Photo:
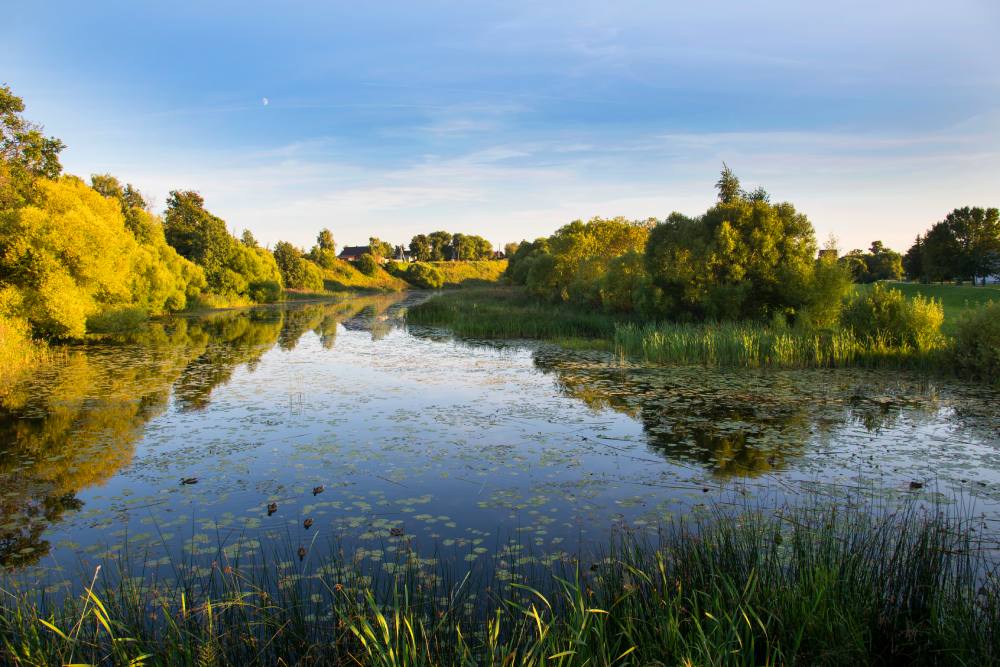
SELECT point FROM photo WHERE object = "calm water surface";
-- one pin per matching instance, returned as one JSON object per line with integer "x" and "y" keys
{"x": 452, "y": 446}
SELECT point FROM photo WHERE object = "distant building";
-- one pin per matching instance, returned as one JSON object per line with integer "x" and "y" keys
{"x": 352, "y": 253}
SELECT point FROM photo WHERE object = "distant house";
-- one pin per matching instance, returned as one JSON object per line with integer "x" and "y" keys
{"x": 499, "y": 254}
{"x": 351, "y": 253}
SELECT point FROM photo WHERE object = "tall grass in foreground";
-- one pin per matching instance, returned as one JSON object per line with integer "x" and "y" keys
{"x": 807, "y": 586}
{"x": 754, "y": 346}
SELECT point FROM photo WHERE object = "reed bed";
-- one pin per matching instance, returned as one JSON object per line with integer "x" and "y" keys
{"x": 506, "y": 313}
{"x": 748, "y": 345}
{"x": 818, "y": 585}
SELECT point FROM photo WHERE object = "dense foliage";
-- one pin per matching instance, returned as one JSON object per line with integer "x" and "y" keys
{"x": 963, "y": 246}
{"x": 879, "y": 263}
{"x": 70, "y": 257}
{"x": 744, "y": 258}
{"x": 423, "y": 276}
{"x": 441, "y": 246}
{"x": 976, "y": 349}
{"x": 296, "y": 269}
{"x": 885, "y": 314}
{"x": 232, "y": 268}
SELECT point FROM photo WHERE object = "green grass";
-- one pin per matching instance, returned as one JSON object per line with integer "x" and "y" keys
{"x": 819, "y": 585}
{"x": 470, "y": 274}
{"x": 955, "y": 299}
{"x": 344, "y": 277}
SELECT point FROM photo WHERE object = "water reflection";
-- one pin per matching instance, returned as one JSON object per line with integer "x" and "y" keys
{"x": 750, "y": 423}
{"x": 75, "y": 423}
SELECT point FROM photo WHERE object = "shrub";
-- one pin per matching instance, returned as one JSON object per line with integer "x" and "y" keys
{"x": 976, "y": 348}
{"x": 367, "y": 264}
{"x": 117, "y": 320}
{"x": 887, "y": 315}
{"x": 266, "y": 291}
{"x": 424, "y": 276}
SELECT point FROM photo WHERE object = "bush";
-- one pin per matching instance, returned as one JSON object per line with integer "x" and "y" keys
{"x": 117, "y": 320}
{"x": 367, "y": 264}
{"x": 424, "y": 276}
{"x": 887, "y": 315}
{"x": 976, "y": 348}
{"x": 266, "y": 291}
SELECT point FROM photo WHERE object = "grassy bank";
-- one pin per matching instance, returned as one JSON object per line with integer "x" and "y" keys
{"x": 808, "y": 586}
{"x": 511, "y": 313}
{"x": 470, "y": 274}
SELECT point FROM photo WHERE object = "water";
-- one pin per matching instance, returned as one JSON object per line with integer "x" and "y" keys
{"x": 453, "y": 447}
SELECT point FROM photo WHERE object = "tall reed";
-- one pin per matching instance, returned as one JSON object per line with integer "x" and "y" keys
{"x": 816, "y": 585}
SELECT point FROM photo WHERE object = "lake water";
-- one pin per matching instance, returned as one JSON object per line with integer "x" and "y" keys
{"x": 453, "y": 447}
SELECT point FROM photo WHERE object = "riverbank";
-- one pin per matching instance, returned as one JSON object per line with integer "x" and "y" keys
{"x": 815, "y": 585}
{"x": 509, "y": 312}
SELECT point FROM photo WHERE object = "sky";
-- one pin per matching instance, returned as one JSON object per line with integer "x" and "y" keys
{"x": 510, "y": 119}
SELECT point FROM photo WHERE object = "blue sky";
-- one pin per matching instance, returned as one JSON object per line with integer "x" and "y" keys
{"x": 510, "y": 119}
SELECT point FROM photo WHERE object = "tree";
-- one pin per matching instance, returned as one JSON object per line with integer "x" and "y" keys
{"x": 324, "y": 240}
{"x": 965, "y": 245}
{"x": 70, "y": 258}
{"x": 883, "y": 263}
{"x": 440, "y": 246}
{"x": 509, "y": 249}
{"x": 379, "y": 249}
{"x": 742, "y": 259}
{"x": 231, "y": 268}
{"x": 977, "y": 233}
{"x": 420, "y": 248}
{"x": 248, "y": 239}
{"x": 424, "y": 276}
{"x": 297, "y": 271}
{"x": 728, "y": 185}
{"x": 913, "y": 261}
{"x": 26, "y": 154}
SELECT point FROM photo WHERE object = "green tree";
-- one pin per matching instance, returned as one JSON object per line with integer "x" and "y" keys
{"x": 248, "y": 239}
{"x": 424, "y": 276}
{"x": 883, "y": 263}
{"x": 231, "y": 268}
{"x": 440, "y": 246}
{"x": 913, "y": 261}
{"x": 379, "y": 249}
{"x": 324, "y": 240}
{"x": 743, "y": 259}
{"x": 420, "y": 248}
{"x": 977, "y": 234}
{"x": 297, "y": 272}
{"x": 26, "y": 154}
{"x": 728, "y": 185}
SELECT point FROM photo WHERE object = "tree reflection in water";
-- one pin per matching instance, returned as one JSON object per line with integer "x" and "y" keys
{"x": 75, "y": 423}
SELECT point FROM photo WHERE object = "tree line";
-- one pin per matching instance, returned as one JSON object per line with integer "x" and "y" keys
{"x": 79, "y": 257}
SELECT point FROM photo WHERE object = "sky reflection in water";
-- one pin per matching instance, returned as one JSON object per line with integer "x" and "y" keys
{"x": 457, "y": 445}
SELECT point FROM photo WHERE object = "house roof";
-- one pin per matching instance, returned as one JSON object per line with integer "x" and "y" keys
{"x": 353, "y": 250}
